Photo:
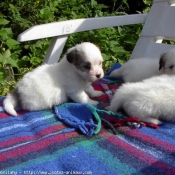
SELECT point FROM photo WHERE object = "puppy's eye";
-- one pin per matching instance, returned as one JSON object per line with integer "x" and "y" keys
{"x": 171, "y": 67}
{"x": 100, "y": 63}
{"x": 87, "y": 67}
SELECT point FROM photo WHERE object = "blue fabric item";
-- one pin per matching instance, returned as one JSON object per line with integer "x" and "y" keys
{"x": 78, "y": 116}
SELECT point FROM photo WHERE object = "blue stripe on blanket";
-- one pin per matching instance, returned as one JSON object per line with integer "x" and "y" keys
{"x": 26, "y": 125}
{"x": 161, "y": 133}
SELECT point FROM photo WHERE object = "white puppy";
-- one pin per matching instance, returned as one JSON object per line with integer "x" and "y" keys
{"x": 138, "y": 69}
{"x": 150, "y": 100}
{"x": 50, "y": 85}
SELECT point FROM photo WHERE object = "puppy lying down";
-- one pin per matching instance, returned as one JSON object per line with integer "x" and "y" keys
{"x": 138, "y": 69}
{"x": 50, "y": 85}
{"x": 151, "y": 100}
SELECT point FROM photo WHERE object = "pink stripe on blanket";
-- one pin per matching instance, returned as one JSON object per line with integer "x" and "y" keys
{"x": 35, "y": 146}
{"x": 13, "y": 141}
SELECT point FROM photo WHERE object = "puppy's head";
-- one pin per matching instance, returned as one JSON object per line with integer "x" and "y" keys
{"x": 87, "y": 59}
{"x": 167, "y": 62}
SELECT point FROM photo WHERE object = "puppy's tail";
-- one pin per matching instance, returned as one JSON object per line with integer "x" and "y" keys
{"x": 10, "y": 103}
{"x": 116, "y": 73}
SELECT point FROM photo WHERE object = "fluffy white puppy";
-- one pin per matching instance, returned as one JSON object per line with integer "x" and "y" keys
{"x": 151, "y": 100}
{"x": 50, "y": 85}
{"x": 138, "y": 69}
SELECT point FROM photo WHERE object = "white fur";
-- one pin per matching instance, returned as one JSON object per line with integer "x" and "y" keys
{"x": 50, "y": 85}
{"x": 138, "y": 69}
{"x": 150, "y": 100}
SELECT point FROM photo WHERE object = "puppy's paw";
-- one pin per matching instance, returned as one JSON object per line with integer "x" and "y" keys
{"x": 93, "y": 102}
{"x": 151, "y": 120}
{"x": 110, "y": 108}
{"x": 115, "y": 73}
{"x": 107, "y": 108}
{"x": 97, "y": 94}
{"x": 155, "y": 121}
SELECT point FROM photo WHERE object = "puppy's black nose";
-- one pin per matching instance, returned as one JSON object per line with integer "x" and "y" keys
{"x": 98, "y": 75}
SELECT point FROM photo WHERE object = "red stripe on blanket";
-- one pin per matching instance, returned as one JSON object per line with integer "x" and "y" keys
{"x": 18, "y": 140}
{"x": 39, "y": 145}
{"x": 4, "y": 115}
{"x": 144, "y": 157}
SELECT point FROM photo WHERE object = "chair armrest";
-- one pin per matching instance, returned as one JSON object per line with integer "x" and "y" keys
{"x": 78, "y": 25}
{"x": 59, "y": 31}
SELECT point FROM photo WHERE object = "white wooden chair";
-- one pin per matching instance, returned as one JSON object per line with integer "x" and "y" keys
{"x": 159, "y": 24}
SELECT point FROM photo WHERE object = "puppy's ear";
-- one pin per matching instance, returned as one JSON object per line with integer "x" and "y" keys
{"x": 71, "y": 55}
{"x": 162, "y": 61}
{"x": 74, "y": 56}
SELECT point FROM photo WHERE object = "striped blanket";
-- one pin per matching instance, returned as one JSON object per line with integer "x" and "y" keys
{"x": 33, "y": 144}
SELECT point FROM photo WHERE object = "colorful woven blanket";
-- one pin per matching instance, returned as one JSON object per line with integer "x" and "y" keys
{"x": 33, "y": 143}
